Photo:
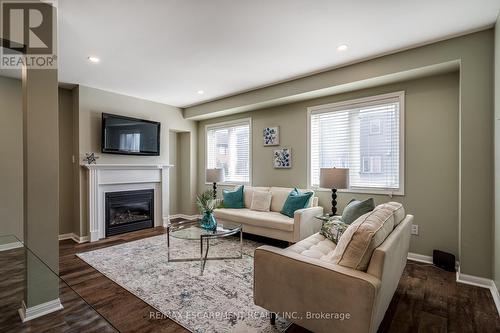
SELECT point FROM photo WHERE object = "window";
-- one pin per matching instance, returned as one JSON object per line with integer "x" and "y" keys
{"x": 364, "y": 135}
{"x": 228, "y": 147}
{"x": 130, "y": 142}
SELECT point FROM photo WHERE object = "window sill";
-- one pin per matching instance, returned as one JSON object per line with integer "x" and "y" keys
{"x": 362, "y": 191}
{"x": 229, "y": 184}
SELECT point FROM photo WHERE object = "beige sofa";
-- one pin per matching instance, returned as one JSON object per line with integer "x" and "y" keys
{"x": 273, "y": 224}
{"x": 298, "y": 281}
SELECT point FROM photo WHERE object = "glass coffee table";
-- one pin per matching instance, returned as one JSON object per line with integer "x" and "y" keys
{"x": 191, "y": 230}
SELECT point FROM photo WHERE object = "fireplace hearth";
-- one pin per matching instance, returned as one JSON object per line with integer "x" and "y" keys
{"x": 128, "y": 211}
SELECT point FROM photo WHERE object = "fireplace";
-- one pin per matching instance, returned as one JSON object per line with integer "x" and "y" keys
{"x": 128, "y": 211}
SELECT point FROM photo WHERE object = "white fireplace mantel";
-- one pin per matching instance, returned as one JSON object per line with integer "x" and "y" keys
{"x": 105, "y": 178}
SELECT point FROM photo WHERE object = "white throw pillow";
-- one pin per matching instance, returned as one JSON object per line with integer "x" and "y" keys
{"x": 261, "y": 201}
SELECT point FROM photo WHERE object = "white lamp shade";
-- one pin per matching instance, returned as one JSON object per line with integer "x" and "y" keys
{"x": 337, "y": 178}
{"x": 214, "y": 175}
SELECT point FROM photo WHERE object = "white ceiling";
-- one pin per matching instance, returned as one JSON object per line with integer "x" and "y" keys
{"x": 167, "y": 50}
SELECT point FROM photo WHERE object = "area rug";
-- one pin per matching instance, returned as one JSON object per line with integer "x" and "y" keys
{"x": 221, "y": 300}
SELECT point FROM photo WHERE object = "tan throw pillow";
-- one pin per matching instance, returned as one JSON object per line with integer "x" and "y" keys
{"x": 362, "y": 237}
{"x": 261, "y": 201}
{"x": 397, "y": 208}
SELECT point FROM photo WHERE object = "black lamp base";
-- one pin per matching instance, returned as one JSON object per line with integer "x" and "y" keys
{"x": 334, "y": 202}
{"x": 215, "y": 190}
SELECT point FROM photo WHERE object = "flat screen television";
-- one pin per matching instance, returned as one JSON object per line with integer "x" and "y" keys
{"x": 130, "y": 136}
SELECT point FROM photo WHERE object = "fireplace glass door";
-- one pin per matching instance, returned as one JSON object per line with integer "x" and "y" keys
{"x": 129, "y": 211}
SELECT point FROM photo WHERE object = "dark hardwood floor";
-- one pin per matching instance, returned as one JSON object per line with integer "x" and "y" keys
{"x": 427, "y": 299}
{"x": 125, "y": 311}
{"x": 76, "y": 316}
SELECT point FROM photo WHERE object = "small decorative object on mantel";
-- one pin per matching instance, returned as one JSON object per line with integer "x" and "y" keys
{"x": 90, "y": 158}
{"x": 271, "y": 136}
{"x": 283, "y": 158}
{"x": 206, "y": 204}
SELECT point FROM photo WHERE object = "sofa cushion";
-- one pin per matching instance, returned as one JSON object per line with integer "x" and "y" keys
{"x": 358, "y": 242}
{"x": 234, "y": 198}
{"x": 315, "y": 246}
{"x": 356, "y": 208}
{"x": 280, "y": 194}
{"x": 261, "y": 201}
{"x": 248, "y": 192}
{"x": 271, "y": 220}
{"x": 295, "y": 201}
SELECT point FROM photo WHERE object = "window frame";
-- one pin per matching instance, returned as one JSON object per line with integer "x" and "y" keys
{"x": 365, "y": 101}
{"x": 225, "y": 124}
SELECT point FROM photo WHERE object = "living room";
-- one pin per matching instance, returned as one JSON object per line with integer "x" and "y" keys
{"x": 285, "y": 177}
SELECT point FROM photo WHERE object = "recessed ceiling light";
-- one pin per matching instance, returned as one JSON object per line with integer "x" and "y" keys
{"x": 94, "y": 59}
{"x": 342, "y": 47}
{"x": 201, "y": 92}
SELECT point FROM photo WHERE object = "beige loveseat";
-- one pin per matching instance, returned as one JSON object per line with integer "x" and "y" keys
{"x": 303, "y": 284}
{"x": 273, "y": 224}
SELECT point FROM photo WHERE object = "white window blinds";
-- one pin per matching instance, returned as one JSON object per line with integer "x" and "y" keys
{"x": 228, "y": 147}
{"x": 364, "y": 136}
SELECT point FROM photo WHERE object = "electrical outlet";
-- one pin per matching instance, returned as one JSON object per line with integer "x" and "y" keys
{"x": 414, "y": 229}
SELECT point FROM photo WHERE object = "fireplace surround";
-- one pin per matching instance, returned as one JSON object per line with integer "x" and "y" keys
{"x": 108, "y": 178}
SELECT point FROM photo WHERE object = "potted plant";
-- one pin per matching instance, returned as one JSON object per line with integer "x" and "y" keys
{"x": 206, "y": 204}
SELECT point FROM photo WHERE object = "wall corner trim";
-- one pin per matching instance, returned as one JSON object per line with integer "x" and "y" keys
{"x": 39, "y": 310}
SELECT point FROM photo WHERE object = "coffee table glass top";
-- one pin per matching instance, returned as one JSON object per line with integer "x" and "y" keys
{"x": 192, "y": 230}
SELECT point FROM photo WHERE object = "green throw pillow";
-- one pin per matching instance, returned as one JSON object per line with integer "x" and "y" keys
{"x": 333, "y": 229}
{"x": 295, "y": 201}
{"x": 234, "y": 198}
{"x": 356, "y": 208}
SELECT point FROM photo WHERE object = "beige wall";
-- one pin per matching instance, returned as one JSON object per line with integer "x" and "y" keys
{"x": 11, "y": 150}
{"x": 66, "y": 134}
{"x": 432, "y": 111}
{"x": 92, "y": 102}
{"x": 187, "y": 172}
{"x": 496, "y": 226}
{"x": 174, "y": 172}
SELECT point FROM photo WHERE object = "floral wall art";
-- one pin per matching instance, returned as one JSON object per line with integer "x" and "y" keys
{"x": 271, "y": 136}
{"x": 283, "y": 158}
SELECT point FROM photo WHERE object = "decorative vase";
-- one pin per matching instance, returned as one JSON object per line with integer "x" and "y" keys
{"x": 208, "y": 221}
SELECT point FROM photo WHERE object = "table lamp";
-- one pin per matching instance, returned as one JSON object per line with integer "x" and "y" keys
{"x": 215, "y": 176}
{"x": 334, "y": 178}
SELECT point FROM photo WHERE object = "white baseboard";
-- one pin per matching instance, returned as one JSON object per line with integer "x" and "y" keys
{"x": 495, "y": 295}
{"x": 166, "y": 220}
{"x": 74, "y": 237}
{"x": 10, "y": 246}
{"x": 184, "y": 216}
{"x": 426, "y": 259}
{"x": 481, "y": 282}
{"x": 419, "y": 258}
{"x": 39, "y": 310}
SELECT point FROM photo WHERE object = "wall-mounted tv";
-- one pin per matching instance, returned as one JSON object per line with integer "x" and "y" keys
{"x": 130, "y": 136}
